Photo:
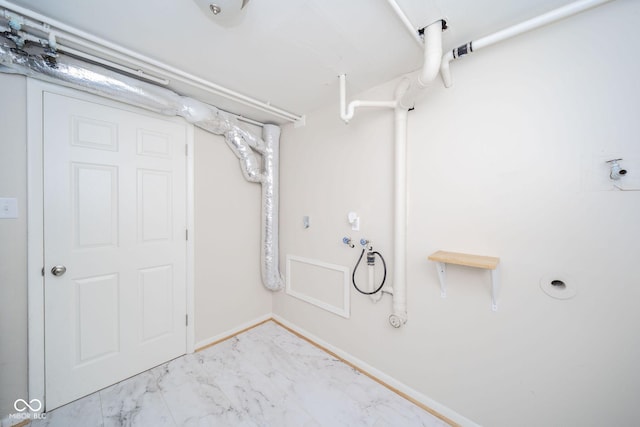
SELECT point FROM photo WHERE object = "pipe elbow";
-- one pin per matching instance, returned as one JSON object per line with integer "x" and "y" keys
{"x": 347, "y": 114}
{"x": 445, "y": 71}
{"x": 432, "y": 53}
{"x": 401, "y": 94}
{"x": 429, "y": 72}
{"x": 351, "y": 109}
{"x": 406, "y": 102}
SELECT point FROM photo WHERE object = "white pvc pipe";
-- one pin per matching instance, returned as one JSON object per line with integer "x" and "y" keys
{"x": 347, "y": 112}
{"x": 399, "y": 315}
{"x": 431, "y": 65}
{"x": 406, "y": 22}
{"x": 139, "y": 73}
{"x": 445, "y": 71}
{"x": 105, "y": 47}
{"x": 54, "y": 45}
{"x": 432, "y": 53}
{"x": 405, "y": 95}
{"x": 539, "y": 21}
{"x": 528, "y": 25}
{"x": 378, "y": 296}
{"x": 371, "y": 275}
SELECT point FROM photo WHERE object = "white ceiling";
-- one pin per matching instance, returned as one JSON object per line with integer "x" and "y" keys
{"x": 286, "y": 52}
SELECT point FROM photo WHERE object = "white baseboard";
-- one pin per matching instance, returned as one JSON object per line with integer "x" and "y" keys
{"x": 233, "y": 331}
{"x": 387, "y": 379}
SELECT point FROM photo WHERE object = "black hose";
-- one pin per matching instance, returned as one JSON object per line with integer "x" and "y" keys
{"x": 384, "y": 278}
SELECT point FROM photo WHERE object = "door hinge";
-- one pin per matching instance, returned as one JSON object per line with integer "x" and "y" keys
{"x": 42, "y": 272}
{"x": 186, "y": 318}
{"x": 186, "y": 234}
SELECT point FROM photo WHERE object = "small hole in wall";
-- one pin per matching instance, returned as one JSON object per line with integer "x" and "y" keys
{"x": 559, "y": 287}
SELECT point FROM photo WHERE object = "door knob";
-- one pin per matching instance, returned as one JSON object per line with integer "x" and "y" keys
{"x": 58, "y": 270}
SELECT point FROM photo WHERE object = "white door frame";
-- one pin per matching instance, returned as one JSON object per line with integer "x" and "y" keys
{"x": 35, "y": 229}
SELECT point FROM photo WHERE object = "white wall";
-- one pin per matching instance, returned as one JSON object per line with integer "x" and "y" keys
{"x": 13, "y": 244}
{"x": 508, "y": 162}
{"x": 229, "y": 290}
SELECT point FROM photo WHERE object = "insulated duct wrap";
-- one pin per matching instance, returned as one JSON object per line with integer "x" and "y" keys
{"x": 34, "y": 61}
{"x": 270, "y": 273}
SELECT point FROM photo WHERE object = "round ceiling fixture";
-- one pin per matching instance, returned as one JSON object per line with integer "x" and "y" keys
{"x": 227, "y": 13}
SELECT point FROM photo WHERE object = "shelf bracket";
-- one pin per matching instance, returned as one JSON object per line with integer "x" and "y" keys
{"x": 442, "y": 258}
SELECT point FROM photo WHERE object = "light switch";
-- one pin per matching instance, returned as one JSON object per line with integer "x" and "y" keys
{"x": 8, "y": 208}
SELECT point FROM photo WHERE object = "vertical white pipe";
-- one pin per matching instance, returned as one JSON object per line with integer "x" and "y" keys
{"x": 399, "y": 316}
{"x": 405, "y": 95}
{"x": 343, "y": 98}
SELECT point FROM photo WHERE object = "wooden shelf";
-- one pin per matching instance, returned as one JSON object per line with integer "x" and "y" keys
{"x": 478, "y": 261}
{"x": 442, "y": 258}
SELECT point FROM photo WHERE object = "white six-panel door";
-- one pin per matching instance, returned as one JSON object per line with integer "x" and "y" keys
{"x": 115, "y": 219}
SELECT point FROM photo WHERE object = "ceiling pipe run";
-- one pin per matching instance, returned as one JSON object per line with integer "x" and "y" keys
{"x": 32, "y": 21}
{"x": 531, "y": 24}
{"x": 415, "y": 34}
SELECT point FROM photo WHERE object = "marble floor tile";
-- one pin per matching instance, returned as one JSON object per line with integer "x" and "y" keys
{"x": 357, "y": 398}
{"x": 82, "y": 412}
{"x": 249, "y": 389}
{"x": 135, "y": 402}
{"x": 266, "y": 376}
{"x": 193, "y": 398}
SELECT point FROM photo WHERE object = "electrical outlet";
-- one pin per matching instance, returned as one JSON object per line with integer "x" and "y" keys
{"x": 8, "y": 208}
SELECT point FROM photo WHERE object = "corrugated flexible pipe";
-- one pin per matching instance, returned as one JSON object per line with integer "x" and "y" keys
{"x": 70, "y": 72}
